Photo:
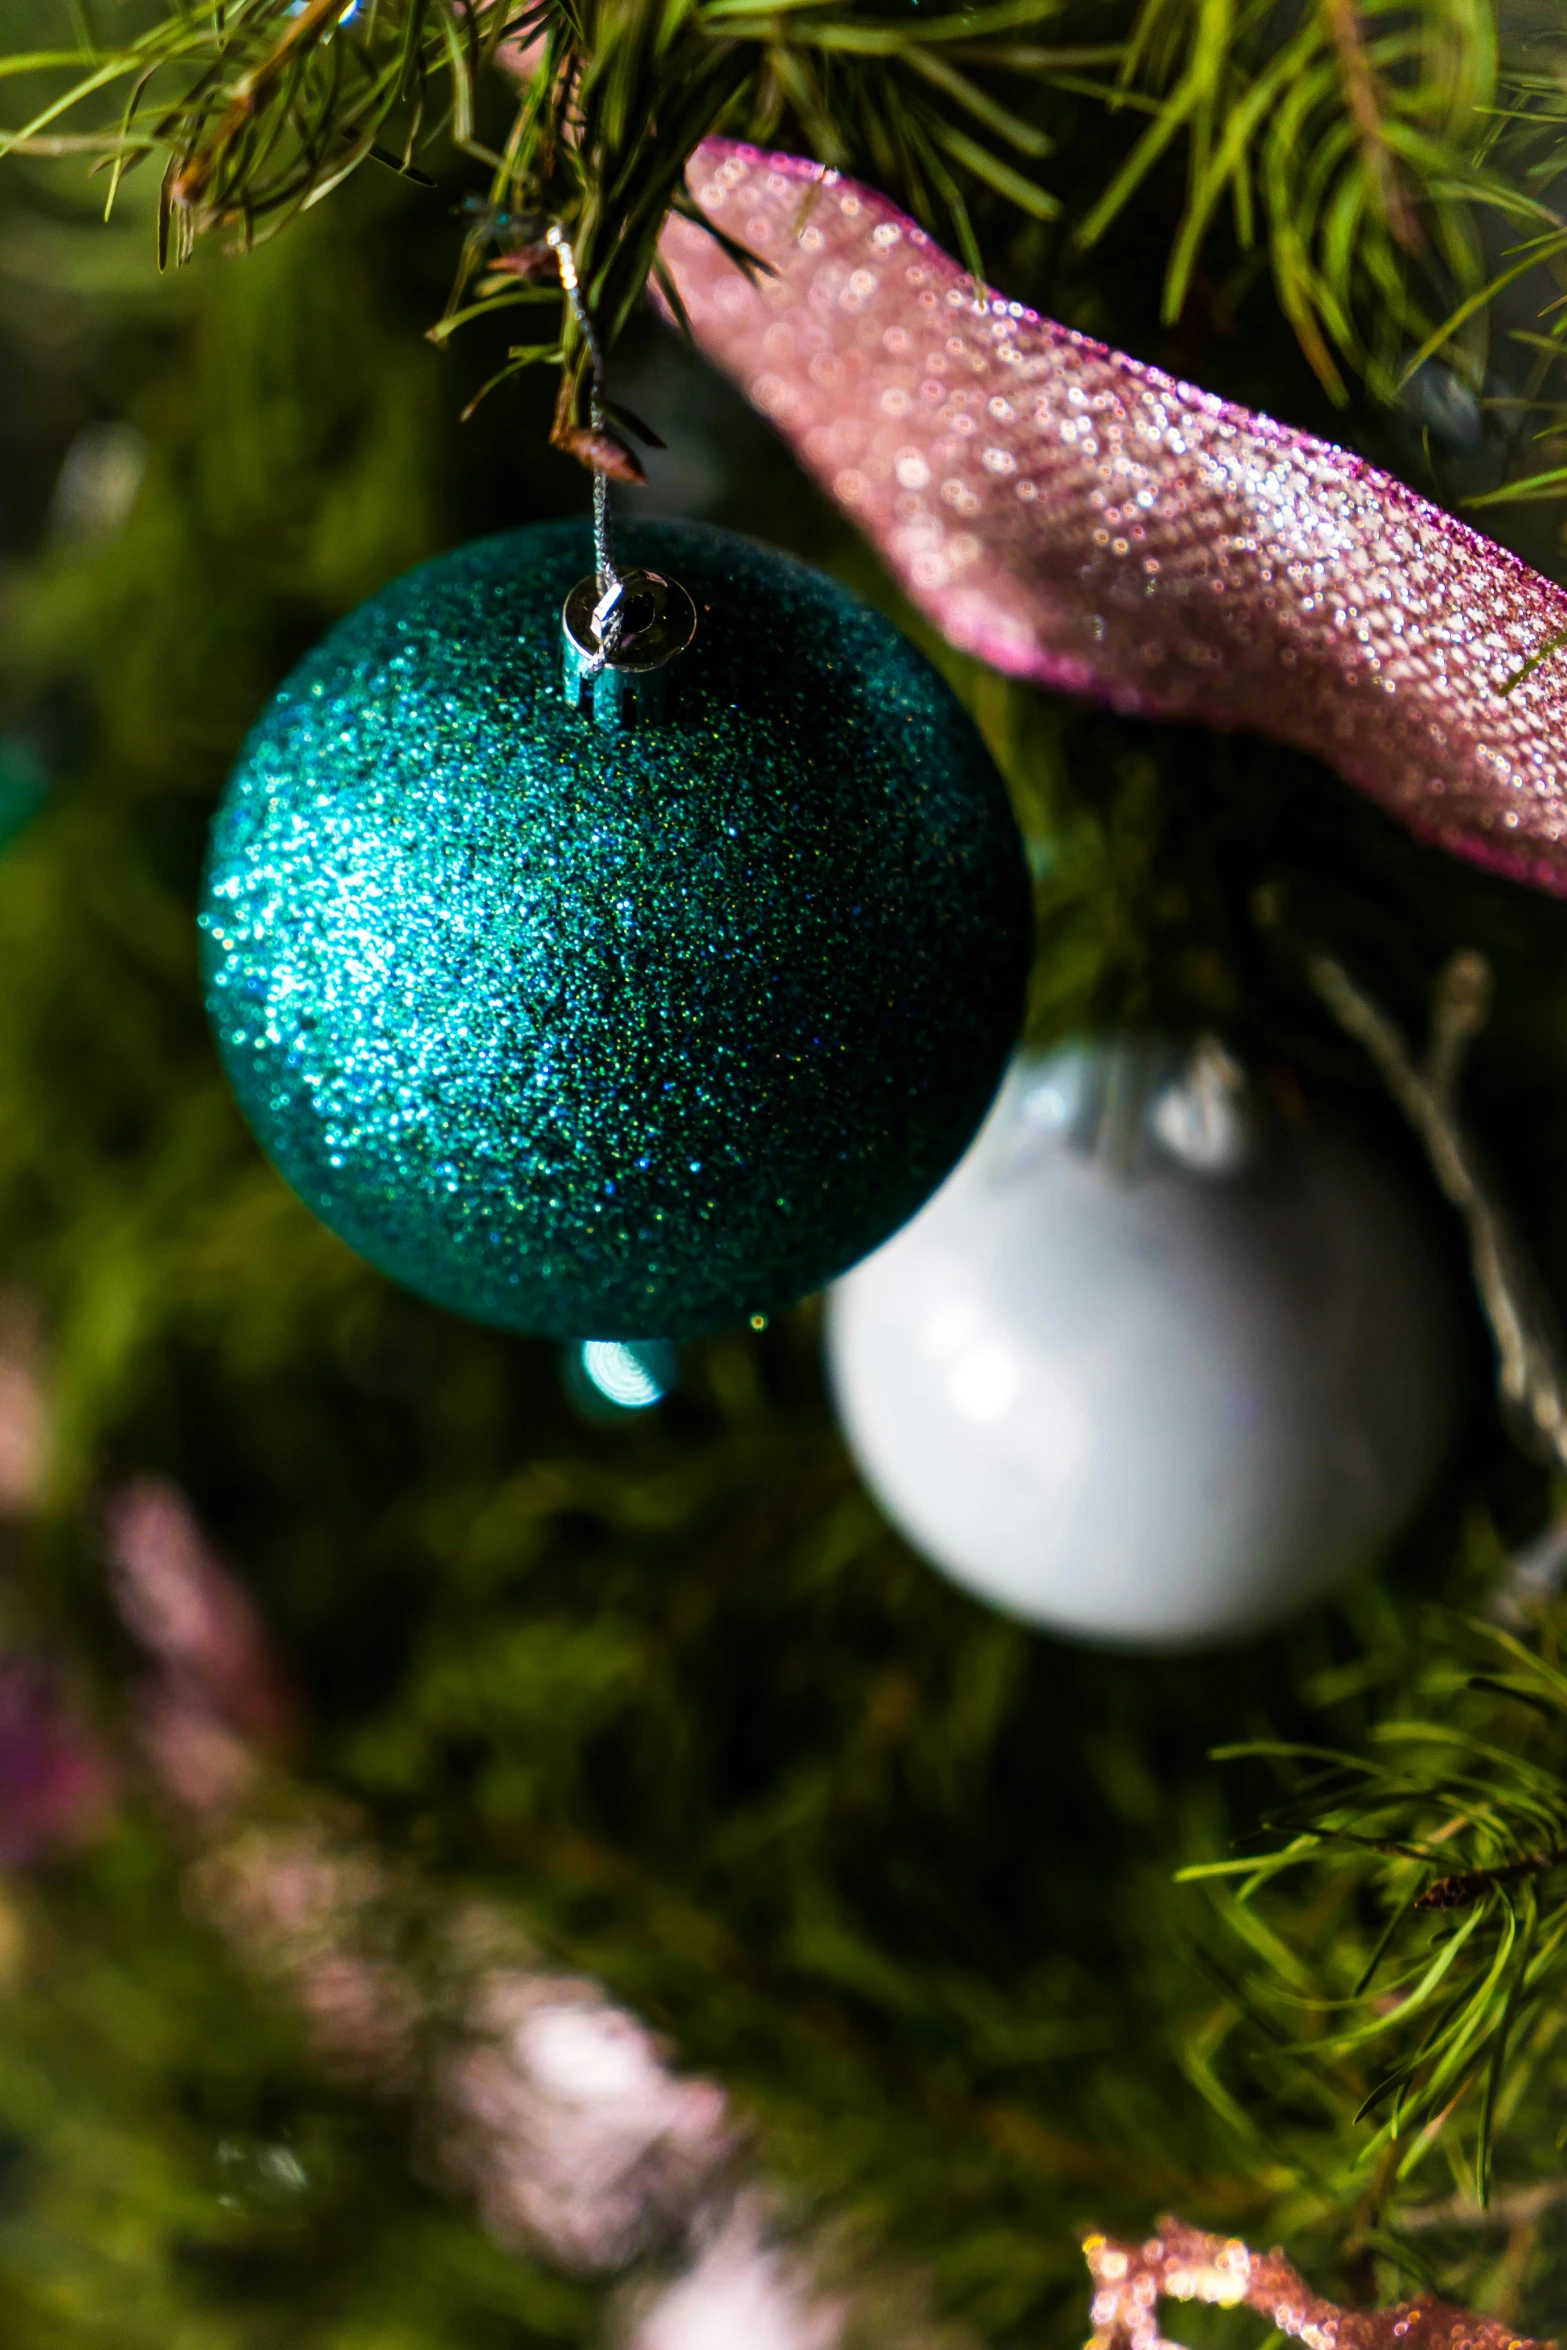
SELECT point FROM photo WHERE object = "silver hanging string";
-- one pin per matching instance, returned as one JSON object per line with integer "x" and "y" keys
{"x": 603, "y": 552}
{"x": 633, "y": 623}
{"x": 608, "y": 616}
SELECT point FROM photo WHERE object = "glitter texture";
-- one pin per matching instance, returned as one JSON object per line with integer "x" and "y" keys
{"x": 1073, "y": 516}
{"x": 614, "y": 1035}
{"x": 1182, "y": 2263}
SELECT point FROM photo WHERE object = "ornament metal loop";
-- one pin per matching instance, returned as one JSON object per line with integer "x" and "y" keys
{"x": 618, "y": 638}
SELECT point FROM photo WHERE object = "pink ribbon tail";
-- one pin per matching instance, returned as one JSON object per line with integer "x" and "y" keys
{"x": 1072, "y": 516}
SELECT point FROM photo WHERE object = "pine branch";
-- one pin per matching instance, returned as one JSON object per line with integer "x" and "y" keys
{"x": 1429, "y": 1992}
{"x": 1442, "y": 2024}
{"x": 1363, "y": 144}
{"x": 1353, "y": 139}
{"x": 262, "y": 109}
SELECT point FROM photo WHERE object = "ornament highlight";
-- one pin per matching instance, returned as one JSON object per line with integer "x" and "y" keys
{"x": 612, "y": 1378}
{"x": 1071, "y": 515}
{"x": 614, "y": 1034}
{"x": 1144, "y": 1371}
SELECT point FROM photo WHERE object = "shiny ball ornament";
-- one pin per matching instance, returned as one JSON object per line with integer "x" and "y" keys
{"x": 1143, "y": 1372}
{"x": 614, "y": 1034}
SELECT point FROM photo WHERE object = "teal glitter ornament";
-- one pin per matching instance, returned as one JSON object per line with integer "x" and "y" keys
{"x": 614, "y": 1034}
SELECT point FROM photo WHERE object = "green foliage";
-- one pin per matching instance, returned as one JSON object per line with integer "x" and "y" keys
{"x": 620, "y": 95}
{"x": 263, "y": 108}
{"x": 1353, "y": 144}
{"x": 1535, "y": 121}
{"x": 1425, "y": 1952}
{"x": 1368, "y": 150}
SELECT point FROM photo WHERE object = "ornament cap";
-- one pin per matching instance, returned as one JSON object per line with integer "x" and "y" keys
{"x": 1205, "y": 1119}
{"x": 619, "y": 634}
{"x": 1138, "y": 1102}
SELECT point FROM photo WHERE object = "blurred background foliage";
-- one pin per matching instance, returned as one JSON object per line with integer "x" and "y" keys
{"x": 897, "y": 1872}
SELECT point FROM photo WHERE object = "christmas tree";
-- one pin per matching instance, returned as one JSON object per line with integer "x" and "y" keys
{"x": 507, "y": 1842}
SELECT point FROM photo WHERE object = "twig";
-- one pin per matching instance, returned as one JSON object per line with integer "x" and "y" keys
{"x": 194, "y": 177}
{"x": 1467, "y": 1886}
{"x": 1513, "y": 2210}
{"x": 1530, "y": 1380}
{"x": 1362, "y": 98}
{"x": 1536, "y": 1570}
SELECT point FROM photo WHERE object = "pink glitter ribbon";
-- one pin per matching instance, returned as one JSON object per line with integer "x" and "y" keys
{"x": 1072, "y": 516}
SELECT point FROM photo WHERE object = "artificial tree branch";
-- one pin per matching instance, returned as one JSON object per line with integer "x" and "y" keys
{"x": 1467, "y": 1886}
{"x": 261, "y": 107}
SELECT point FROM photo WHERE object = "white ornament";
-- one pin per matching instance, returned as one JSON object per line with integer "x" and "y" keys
{"x": 1140, "y": 1371}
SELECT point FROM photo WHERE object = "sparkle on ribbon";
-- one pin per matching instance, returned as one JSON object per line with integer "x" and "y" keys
{"x": 1073, "y": 516}
{"x": 1179, "y": 2263}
